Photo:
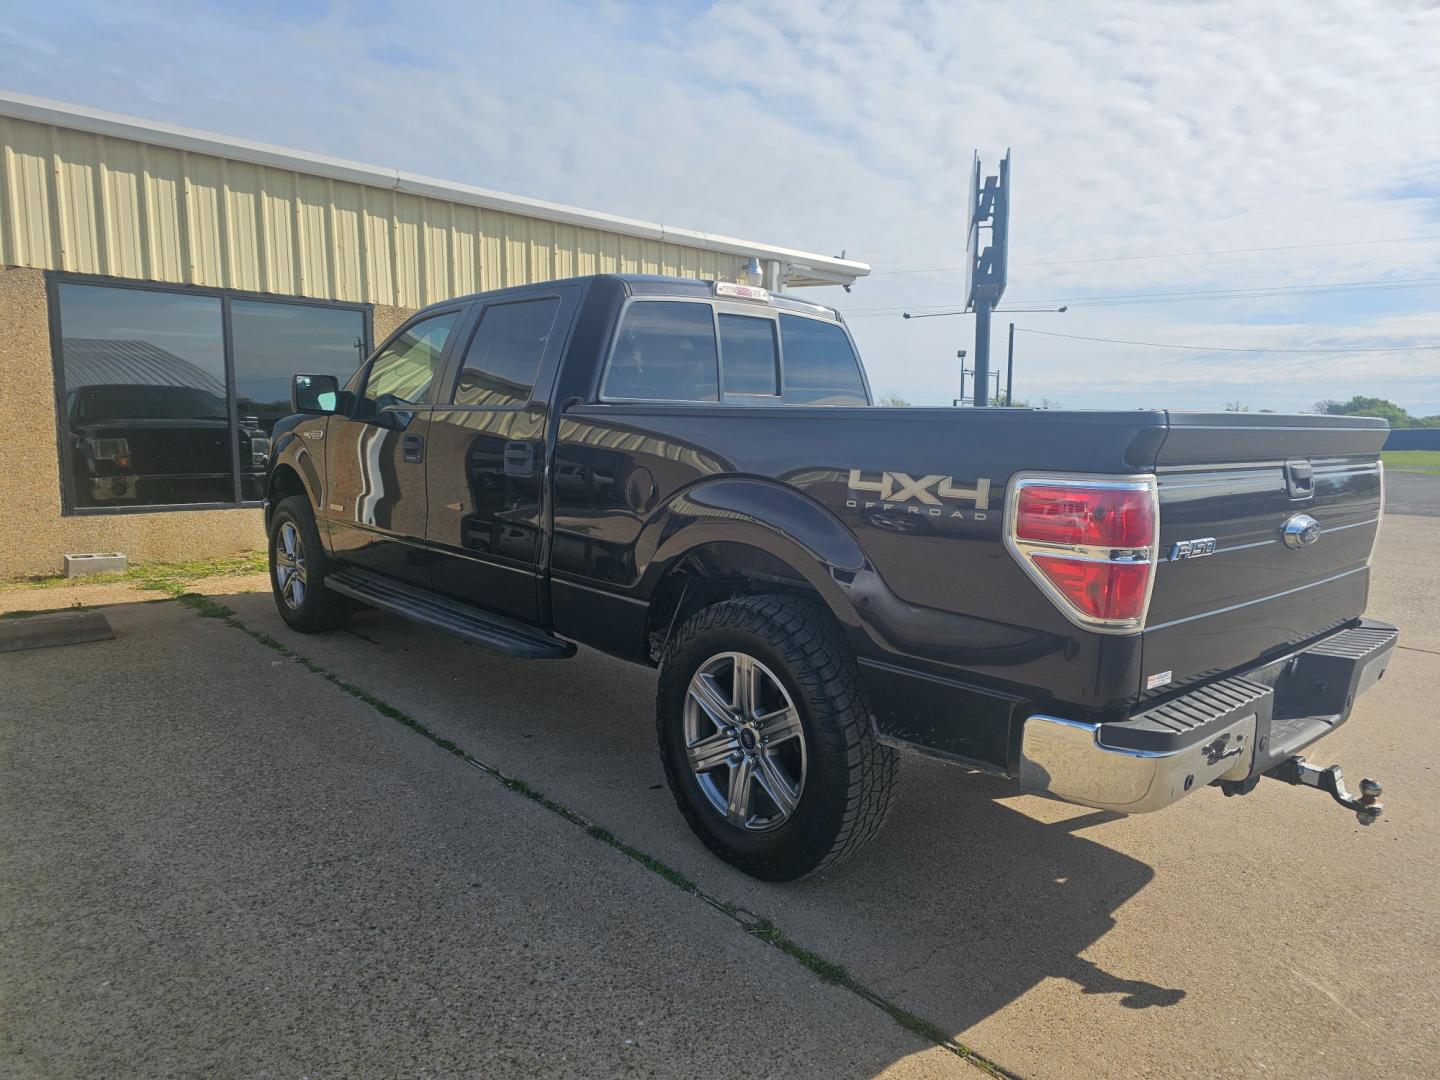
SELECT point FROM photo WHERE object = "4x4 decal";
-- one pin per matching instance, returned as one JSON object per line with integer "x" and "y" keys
{"x": 894, "y": 488}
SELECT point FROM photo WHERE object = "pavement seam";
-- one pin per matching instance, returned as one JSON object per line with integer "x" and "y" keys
{"x": 765, "y": 930}
{"x": 1416, "y": 648}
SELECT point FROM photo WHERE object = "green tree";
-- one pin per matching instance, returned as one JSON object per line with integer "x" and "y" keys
{"x": 1359, "y": 405}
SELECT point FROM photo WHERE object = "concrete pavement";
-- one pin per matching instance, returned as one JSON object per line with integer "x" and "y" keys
{"x": 1412, "y": 493}
{"x": 216, "y": 863}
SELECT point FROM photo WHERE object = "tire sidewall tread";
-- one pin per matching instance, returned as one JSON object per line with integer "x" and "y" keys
{"x": 323, "y": 609}
{"x": 851, "y": 777}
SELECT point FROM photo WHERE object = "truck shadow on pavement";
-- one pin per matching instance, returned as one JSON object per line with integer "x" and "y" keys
{"x": 986, "y": 900}
{"x": 960, "y": 906}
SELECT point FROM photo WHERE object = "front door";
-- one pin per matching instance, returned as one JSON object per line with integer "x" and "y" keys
{"x": 375, "y": 500}
{"x": 487, "y": 437}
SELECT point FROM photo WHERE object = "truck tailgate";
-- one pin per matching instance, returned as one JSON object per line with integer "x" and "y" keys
{"x": 1237, "y": 479}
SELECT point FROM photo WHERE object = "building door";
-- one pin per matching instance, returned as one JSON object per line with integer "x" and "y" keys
{"x": 487, "y": 481}
{"x": 375, "y": 501}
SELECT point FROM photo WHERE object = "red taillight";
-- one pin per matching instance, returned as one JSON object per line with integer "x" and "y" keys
{"x": 1094, "y": 517}
{"x": 1090, "y": 545}
{"x": 1101, "y": 590}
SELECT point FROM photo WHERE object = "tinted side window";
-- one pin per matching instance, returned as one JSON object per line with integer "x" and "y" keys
{"x": 820, "y": 366}
{"x": 505, "y": 353}
{"x": 750, "y": 359}
{"x": 665, "y": 352}
{"x": 404, "y": 369}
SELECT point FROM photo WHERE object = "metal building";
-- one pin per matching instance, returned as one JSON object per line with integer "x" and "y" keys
{"x": 239, "y": 262}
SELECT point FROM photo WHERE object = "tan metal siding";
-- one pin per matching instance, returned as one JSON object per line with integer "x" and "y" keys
{"x": 72, "y": 200}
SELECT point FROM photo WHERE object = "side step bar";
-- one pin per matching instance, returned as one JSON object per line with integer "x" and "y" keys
{"x": 468, "y": 623}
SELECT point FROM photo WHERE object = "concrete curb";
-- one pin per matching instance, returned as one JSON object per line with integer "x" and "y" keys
{"x": 59, "y": 628}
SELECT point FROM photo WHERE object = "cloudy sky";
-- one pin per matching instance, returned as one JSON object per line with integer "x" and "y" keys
{"x": 1156, "y": 147}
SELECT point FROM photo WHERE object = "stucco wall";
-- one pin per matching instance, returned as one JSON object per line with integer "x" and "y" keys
{"x": 34, "y": 534}
{"x": 388, "y": 320}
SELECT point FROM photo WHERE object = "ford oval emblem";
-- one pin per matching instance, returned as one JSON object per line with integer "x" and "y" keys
{"x": 1302, "y": 530}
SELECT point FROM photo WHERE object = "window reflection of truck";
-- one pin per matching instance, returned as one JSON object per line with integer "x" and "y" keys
{"x": 144, "y": 444}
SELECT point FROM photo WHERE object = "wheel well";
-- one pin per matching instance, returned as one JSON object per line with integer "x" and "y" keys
{"x": 284, "y": 482}
{"x": 710, "y": 574}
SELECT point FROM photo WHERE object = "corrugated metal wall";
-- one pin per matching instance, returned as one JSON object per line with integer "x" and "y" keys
{"x": 72, "y": 200}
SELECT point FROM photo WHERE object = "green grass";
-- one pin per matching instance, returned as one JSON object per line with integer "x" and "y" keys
{"x": 172, "y": 578}
{"x": 1414, "y": 461}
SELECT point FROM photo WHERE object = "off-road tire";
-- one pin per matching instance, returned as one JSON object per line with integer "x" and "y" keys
{"x": 320, "y": 608}
{"x": 852, "y": 777}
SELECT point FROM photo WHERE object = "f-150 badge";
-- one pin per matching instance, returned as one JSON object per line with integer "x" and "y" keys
{"x": 926, "y": 494}
{"x": 1192, "y": 549}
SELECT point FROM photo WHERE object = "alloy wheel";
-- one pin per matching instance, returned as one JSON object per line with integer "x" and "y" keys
{"x": 744, "y": 741}
{"x": 290, "y": 578}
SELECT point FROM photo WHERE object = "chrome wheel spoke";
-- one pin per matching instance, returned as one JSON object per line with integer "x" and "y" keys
{"x": 741, "y": 777}
{"x": 743, "y": 694}
{"x": 290, "y": 566}
{"x": 708, "y": 695}
{"x": 712, "y": 752}
{"x": 779, "y": 725}
{"x": 776, "y": 784}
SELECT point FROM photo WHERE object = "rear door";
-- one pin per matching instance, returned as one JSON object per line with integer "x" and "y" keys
{"x": 1235, "y": 483}
{"x": 375, "y": 500}
{"x": 488, "y": 455}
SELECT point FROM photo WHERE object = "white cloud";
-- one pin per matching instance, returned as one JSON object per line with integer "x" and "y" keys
{"x": 1137, "y": 128}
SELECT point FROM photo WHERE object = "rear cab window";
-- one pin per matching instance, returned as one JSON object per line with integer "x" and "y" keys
{"x": 749, "y": 355}
{"x": 690, "y": 351}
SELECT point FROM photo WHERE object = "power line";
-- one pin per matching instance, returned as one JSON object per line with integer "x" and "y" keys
{"x": 1206, "y": 293}
{"x": 1223, "y": 348}
{"x": 1172, "y": 255}
{"x": 1134, "y": 299}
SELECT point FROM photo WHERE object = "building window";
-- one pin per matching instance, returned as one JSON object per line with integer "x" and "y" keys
{"x": 168, "y": 398}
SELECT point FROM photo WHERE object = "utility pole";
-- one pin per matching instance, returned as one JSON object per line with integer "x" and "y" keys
{"x": 982, "y": 352}
{"x": 1010, "y": 370}
{"x": 985, "y": 271}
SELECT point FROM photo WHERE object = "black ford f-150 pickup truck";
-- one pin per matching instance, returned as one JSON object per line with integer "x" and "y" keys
{"x": 1114, "y": 608}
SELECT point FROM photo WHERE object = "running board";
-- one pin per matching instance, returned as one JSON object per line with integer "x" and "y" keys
{"x": 464, "y": 621}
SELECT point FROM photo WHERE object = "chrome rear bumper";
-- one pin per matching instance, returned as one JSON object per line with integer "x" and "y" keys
{"x": 1066, "y": 759}
{"x": 1232, "y": 729}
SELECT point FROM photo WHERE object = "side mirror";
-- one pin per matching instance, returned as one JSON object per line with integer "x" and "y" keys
{"x": 316, "y": 394}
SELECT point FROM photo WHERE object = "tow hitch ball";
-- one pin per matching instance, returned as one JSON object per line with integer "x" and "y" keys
{"x": 1299, "y": 771}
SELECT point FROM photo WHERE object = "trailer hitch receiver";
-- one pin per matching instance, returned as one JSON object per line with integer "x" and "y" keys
{"x": 1297, "y": 770}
